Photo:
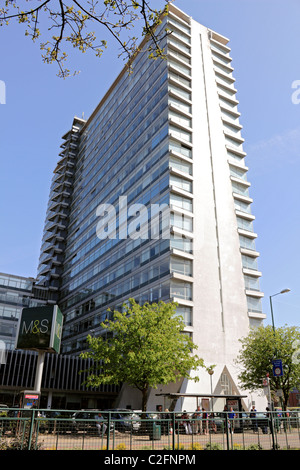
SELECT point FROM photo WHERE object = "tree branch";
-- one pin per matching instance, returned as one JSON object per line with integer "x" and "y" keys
{"x": 126, "y": 14}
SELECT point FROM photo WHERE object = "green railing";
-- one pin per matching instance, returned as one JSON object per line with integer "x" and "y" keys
{"x": 126, "y": 430}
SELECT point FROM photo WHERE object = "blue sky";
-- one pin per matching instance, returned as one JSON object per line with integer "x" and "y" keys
{"x": 265, "y": 41}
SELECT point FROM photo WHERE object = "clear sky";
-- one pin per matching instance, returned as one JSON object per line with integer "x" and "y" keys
{"x": 265, "y": 47}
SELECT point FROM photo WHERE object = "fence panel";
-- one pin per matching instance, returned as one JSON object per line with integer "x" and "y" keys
{"x": 126, "y": 430}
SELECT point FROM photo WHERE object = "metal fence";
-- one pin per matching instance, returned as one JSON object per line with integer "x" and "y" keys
{"x": 126, "y": 430}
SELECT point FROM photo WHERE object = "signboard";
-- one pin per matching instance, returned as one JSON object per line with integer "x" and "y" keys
{"x": 233, "y": 403}
{"x": 31, "y": 399}
{"x": 266, "y": 382}
{"x": 40, "y": 329}
{"x": 277, "y": 368}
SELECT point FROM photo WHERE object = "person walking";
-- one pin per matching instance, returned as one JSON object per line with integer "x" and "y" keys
{"x": 253, "y": 419}
{"x": 159, "y": 417}
{"x": 231, "y": 416}
{"x": 212, "y": 423}
{"x": 165, "y": 422}
{"x": 269, "y": 421}
{"x": 204, "y": 421}
{"x": 197, "y": 421}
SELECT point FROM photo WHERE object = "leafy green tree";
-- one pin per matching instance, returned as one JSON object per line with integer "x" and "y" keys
{"x": 73, "y": 22}
{"x": 260, "y": 347}
{"x": 144, "y": 347}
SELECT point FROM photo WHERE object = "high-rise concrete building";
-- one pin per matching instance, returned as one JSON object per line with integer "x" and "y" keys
{"x": 168, "y": 133}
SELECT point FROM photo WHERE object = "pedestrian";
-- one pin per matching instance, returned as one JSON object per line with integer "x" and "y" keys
{"x": 186, "y": 422}
{"x": 165, "y": 422}
{"x": 269, "y": 421}
{"x": 286, "y": 420}
{"x": 159, "y": 416}
{"x": 197, "y": 421}
{"x": 100, "y": 425}
{"x": 253, "y": 419}
{"x": 204, "y": 421}
{"x": 224, "y": 416}
{"x": 231, "y": 416}
{"x": 277, "y": 420}
{"x": 212, "y": 423}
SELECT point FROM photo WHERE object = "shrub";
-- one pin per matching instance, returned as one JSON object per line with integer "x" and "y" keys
{"x": 196, "y": 446}
{"x": 213, "y": 446}
{"x": 19, "y": 443}
{"x": 121, "y": 446}
{"x": 179, "y": 447}
{"x": 237, "y": 447}
{"x": 254, "y": 447}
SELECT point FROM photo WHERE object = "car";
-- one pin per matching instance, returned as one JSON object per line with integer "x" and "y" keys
{"x": 142, "y": 421}
{"x": 124, "y": 420}
{"x": 245, "y": 421}
{"x": 262, "y": 422}
{"x": 295, "y": 418}
{"x": 135, "y": 420}
{"x": 81, "y": 421}
{"x": 219, "y": 421}
{"x": 57, "y": 421}
{"x": 84, "y": 421}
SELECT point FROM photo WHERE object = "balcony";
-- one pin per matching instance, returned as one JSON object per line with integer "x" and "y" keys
{"x": 63, "y": 189}
{"x": 251, "y": 272}
{"x": 54, "y": 284}
{"x": 257, "y": 315}
{"x": 59, "y": 247}
{"x": 255, "y": 293}
{"x": 61, "y": 197}
{"x": 57, "y": 260}
{"x": 57, "y": 224}
{"x": 56, "y": 272}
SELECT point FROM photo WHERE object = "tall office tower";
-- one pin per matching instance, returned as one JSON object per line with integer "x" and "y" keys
{"x": 169, "y": 133}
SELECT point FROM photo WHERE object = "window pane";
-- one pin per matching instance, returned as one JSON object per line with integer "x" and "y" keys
{"x": 251, "y": 283}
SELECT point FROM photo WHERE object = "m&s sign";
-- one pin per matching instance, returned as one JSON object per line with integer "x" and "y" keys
{"x": 40, "y": 328}
{"x": 35, "y": 326}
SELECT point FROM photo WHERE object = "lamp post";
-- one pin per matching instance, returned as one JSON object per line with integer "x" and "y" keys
{"x": 284, "y": 291}
{"x": 211, "y": 371}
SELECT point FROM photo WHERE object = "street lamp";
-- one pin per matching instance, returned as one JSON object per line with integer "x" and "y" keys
{"x": 211, "y": 371}
{"x": 284, "y": 291}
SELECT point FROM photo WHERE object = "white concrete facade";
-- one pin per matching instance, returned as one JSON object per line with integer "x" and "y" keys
{"x": 220, "y": 312}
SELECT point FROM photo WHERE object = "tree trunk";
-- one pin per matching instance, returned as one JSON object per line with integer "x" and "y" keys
{"x": 144, "y": 399}
{"x": 144, "y": 427}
